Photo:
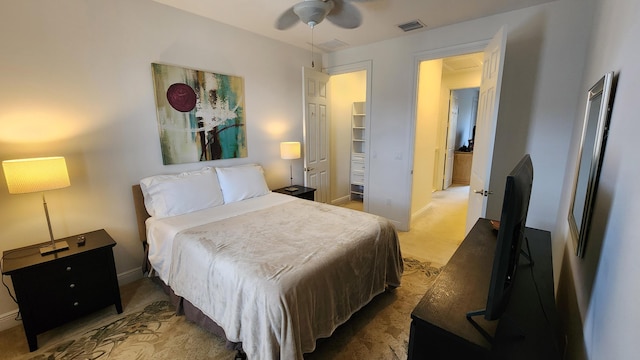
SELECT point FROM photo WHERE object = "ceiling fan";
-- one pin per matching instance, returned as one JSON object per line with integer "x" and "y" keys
{"x": 311, "y": 12}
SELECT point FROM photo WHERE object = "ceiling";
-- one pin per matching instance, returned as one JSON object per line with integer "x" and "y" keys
{"x": 380, "y": 18}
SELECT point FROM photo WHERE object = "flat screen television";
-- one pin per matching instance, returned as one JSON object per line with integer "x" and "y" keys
{"x": 515, "y": 207}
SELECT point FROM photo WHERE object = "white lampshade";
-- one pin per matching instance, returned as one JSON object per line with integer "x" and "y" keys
{"x": 290, "y": 150}
{"x": 36, "y": 174}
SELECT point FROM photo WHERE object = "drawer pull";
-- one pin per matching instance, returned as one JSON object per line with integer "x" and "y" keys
{"x": 72, "y": 286}
{"x": 68, "y": 268}
{"x": 76, "y": 303}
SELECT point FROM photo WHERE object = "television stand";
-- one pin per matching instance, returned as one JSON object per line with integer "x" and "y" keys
{"x": 439, "y": 326}
{"x": 527, "y": 254}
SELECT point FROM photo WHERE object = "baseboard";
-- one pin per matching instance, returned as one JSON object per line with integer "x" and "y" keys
{"x": 421, "y": 211}
{"x": 8, "y": 320}
{"x": 341, "y": 201}
{"x": 130, "y": 276}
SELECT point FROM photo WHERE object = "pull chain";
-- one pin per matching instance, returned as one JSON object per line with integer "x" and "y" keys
{"x": 312, "y": 63}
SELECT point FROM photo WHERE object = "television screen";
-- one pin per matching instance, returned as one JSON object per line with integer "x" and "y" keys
{"x": 510, "y": 235}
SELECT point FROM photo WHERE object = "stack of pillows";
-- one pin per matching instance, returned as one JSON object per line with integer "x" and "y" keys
{"x": 177, "y": 194}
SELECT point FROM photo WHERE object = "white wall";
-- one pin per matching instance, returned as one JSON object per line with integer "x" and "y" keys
{"x": 606, "y": 279}
{"x": 77, "y": 82}
{"x": 424, "y": 152}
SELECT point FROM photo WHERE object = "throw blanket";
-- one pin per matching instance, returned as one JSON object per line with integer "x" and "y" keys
{"x": 278, "y": 279}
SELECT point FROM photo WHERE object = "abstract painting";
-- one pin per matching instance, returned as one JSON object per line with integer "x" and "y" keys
{"x": 201, "y": 115}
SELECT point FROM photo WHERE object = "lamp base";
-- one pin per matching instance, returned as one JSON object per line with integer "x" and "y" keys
{"x": 59, "y": 246}
{"x": 291, "y": 188}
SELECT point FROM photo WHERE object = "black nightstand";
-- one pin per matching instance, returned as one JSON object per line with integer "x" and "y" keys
{"x": 302, "y": 192}
{"x": 56, "y": 288}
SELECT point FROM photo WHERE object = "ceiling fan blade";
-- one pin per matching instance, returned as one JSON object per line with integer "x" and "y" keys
{"x": 287, "y": 20}
{"x": 345, "y": 15}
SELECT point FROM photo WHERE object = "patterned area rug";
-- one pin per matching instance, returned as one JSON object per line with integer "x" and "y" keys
{"x": 380, "y": 330}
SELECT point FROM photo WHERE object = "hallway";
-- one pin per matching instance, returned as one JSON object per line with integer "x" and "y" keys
{"x": 436, "y": 233}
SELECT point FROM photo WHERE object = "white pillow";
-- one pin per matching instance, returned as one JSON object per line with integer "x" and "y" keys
{"x": 177, "y": 194}
{"x": 242, "y": 182}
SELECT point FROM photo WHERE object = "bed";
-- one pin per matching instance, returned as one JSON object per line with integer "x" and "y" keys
{"x": 269, "y": 272}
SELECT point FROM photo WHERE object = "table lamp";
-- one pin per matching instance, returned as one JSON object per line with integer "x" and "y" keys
{"x": 290, "y": 150}
{"x": 38, "y": 174}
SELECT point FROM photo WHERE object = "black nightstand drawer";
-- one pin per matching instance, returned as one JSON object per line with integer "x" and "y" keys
{"x": 57, "y": 288}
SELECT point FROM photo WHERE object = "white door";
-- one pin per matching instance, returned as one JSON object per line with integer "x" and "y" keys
{"x": 316, "y": 132}
{"x": 488, "y": 102}
{"x": 451, "y": 140}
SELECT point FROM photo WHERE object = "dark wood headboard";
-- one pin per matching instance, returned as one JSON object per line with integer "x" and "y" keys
{"x": 141, "y": 212}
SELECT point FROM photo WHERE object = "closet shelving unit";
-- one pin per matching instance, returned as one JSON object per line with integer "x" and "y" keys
{"x": 358, "y": 136}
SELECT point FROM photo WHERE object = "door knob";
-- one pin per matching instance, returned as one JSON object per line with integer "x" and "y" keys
{"x": 483, "y": 192}
{"x": 308, "y": 169}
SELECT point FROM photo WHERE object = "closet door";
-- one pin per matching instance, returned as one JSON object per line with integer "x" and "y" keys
{"x": 316, "y": 132}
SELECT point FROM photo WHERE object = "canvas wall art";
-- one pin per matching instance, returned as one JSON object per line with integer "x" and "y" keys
{"x": 201, "y": 115}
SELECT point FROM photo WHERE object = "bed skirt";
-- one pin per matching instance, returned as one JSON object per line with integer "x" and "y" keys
{"x": 193, "y": 314}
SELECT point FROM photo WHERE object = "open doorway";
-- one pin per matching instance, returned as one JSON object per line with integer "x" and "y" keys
{"x": 459, "y": 139}
{"x": 349, "y": 134}
{"x": 336, "y": 133}
{"x": 437, "y": 133}
{"x": 447, "y": 103}
{"x": 429, "y": 126}
{"x": 348, "y": 138}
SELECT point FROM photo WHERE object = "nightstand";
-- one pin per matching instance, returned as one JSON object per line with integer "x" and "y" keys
{"x": 56, "y": 288}
{"x": 302, "y": 192}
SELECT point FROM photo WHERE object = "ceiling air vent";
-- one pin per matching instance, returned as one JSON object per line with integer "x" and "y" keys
{"x": 411, "y": 25}
{"x": 332, "y": 45}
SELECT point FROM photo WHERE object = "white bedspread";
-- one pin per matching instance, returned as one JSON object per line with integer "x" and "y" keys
{"x": 161, "y": 232}
{"x": 278, "y": 278}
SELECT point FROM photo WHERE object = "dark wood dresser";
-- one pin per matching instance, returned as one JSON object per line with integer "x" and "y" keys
{"x": 57, "y": 288}
{"x": 530, "y": 327}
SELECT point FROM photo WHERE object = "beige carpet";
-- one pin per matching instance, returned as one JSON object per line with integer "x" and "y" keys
{"x": 436, "y": 233}
{"x": 378, "y": 331}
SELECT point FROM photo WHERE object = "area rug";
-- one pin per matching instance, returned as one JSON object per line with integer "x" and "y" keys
{"x": 380, "y": 330}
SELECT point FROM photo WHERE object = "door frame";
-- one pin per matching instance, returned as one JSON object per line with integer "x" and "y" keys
{"x": 366, "y": 65}
{"x": 419, "y": 57}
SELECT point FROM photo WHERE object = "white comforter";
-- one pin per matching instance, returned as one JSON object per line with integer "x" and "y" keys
{"x": 278, "y": 278}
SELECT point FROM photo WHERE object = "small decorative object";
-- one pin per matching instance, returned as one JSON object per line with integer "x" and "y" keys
{"x": 201, "y": 115}
{"x": 290, "y": 150}
{"x": 594, "y": 134}
{"x": 35, "y": 175}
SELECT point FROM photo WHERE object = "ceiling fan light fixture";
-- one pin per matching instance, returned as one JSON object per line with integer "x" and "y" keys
{"x": 312, "y": 12}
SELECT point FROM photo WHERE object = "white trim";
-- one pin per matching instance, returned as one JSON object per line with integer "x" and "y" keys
{"x": 421, "y": 211}
{"x": 8, "y": 320}
{"x": 130, "y": 276}
{"x": 341, "y": 201}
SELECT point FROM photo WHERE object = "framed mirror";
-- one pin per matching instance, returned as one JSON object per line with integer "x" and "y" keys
{"x": 594, "y": 134}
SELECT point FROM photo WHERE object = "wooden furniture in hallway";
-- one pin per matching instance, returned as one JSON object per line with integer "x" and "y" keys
{"x": 462, "y": 167}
